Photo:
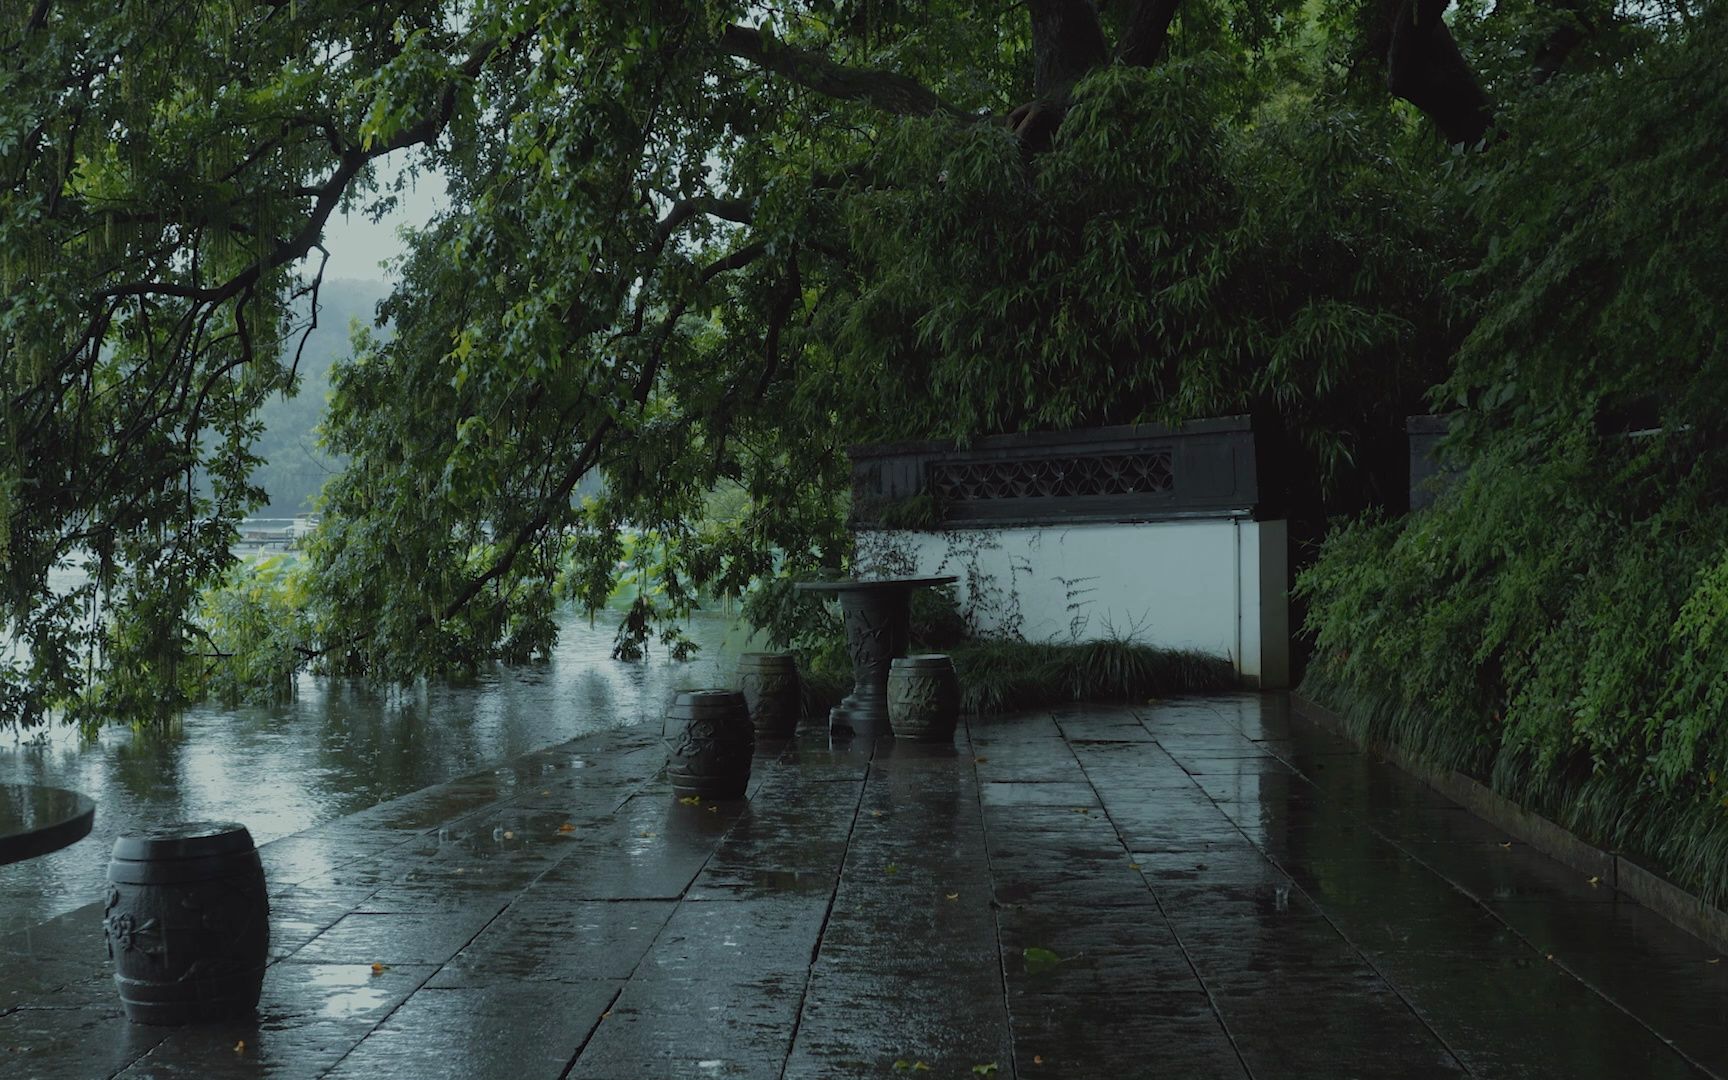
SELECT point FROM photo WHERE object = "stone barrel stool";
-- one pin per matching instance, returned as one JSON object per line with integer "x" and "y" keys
{"x": 187, "y": 923}
{"x": 923, "y": 698}
{"x": 711, "y": 758}
{"x": 769, "y": 682}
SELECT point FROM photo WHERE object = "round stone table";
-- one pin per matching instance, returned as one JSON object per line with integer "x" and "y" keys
{"x": 878, "y": 617}
{"x": 35, "y": 820}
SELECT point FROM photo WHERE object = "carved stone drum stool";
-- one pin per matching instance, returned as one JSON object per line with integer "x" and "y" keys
{"x": 923, "y": 698}
{"x": 712, "y": 755}
{"x": 187, "y": 923}
{"x": 769, "y": 682}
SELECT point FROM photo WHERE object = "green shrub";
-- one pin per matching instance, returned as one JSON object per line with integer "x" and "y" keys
{"x": 1554, "y": 623}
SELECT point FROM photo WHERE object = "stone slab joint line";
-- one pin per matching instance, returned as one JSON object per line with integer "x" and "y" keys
{"x": 978, "y": 783}
{"x": 1187, "y": 956}
{"x": 1496, "y": 915}
{"x": 594, "y": 1028}
{"x": 828, "y": 913}
{"x": 593, "y": 822}
{"x": 1402, "y": 995}
{"x": 1428, "y": 778}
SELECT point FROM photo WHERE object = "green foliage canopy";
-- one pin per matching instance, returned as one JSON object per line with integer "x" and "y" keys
{"x": 691, "y": 245}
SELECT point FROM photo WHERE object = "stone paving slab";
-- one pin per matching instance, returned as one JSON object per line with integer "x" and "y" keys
{"x": 1201, "y": 888}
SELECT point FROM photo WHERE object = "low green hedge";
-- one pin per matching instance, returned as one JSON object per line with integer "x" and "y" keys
{"x": 1007, "y": 676}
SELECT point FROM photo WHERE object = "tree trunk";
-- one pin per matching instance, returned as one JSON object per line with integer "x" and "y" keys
{"x": 1067, "y": 42}
{"x": 1148, "y": 32}
{"x": 1425, "y": 67}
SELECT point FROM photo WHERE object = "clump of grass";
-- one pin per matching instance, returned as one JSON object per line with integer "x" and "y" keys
{"x": 1007, "y": 676}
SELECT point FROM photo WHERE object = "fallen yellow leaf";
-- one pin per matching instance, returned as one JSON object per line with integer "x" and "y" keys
{"x": 240, "y": 1047}
{"x": 1718, "y": 960}
{"x": 875, "y": 813}
{"x": 566, "y": 827}
{"x": 891, "y": 868}
{"x": 1078, "y": 810}
{"x": 713, "y": 809}
{"x": 919, "y": 1066}
{"x": 1507, "y": 844}
{"x": 691, "y": 800}
{"x": 1037, "y": 1059}
{"x": 508, "y": 835}
{"x": 645, "y": 835}
{"x": 606, "y": 1014}
{"x": 379, "y": 969}
{"x": 953, "y": 896}
{"x": 979, "y": 760}
{"x": 1595, "y": 881}
{"x": 1133, "y": 866}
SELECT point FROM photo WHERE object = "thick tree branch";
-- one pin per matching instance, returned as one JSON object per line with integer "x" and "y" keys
{"x": 889, "y": 91}
{"x": 737, "y": 210}
{"x": 295, "y": 247}
{"x": 1067, "y": 43}
{"x": 38, "y": 17}
{"x": 742, "y": 257}
{"x": 1148, "y": 32}
{"x": 1425, "y": 67}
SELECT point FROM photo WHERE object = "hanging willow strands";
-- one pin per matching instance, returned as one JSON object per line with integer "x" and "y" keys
{"x": 177, "y": 163}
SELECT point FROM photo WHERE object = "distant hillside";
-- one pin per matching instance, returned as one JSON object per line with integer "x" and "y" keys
{"x": 295, "y": 469}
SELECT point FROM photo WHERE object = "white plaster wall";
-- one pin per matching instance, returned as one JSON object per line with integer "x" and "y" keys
{"x": 1216, "y": 585}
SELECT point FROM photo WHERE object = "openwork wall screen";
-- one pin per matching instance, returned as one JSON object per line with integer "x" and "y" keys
{"x": 1145, "y": 472}
{"x": 1054, "y": 478}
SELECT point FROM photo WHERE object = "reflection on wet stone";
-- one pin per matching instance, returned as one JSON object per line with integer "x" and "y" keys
{"x": 1195, "y": 889}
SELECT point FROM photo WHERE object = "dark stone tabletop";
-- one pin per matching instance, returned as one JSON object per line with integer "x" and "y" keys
{"x": 35, "y": 820}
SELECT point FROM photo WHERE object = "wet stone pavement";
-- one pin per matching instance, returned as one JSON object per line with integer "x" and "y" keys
{"x": 1209, "y": 887}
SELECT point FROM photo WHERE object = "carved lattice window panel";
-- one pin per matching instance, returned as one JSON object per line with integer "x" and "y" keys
{"x": 1143, "y": 473}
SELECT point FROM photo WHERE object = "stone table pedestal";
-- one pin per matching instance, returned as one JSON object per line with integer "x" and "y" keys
{"x": 878, "y": 616}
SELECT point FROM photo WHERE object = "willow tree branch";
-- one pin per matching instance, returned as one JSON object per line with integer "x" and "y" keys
{"x": 558, "y": 498}
{"x": 889, "y": 91}
{"x": 328, "y": 195}
{"x": 311, "y": 290}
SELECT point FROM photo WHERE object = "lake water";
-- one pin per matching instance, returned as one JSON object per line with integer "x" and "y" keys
{"x": 336, "y": 748}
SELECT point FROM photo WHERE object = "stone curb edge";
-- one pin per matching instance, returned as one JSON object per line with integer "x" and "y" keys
{"x": 1680, "y": 907}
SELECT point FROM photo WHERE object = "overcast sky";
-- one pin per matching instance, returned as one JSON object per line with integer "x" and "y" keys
{"x": 358, "y": 245}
